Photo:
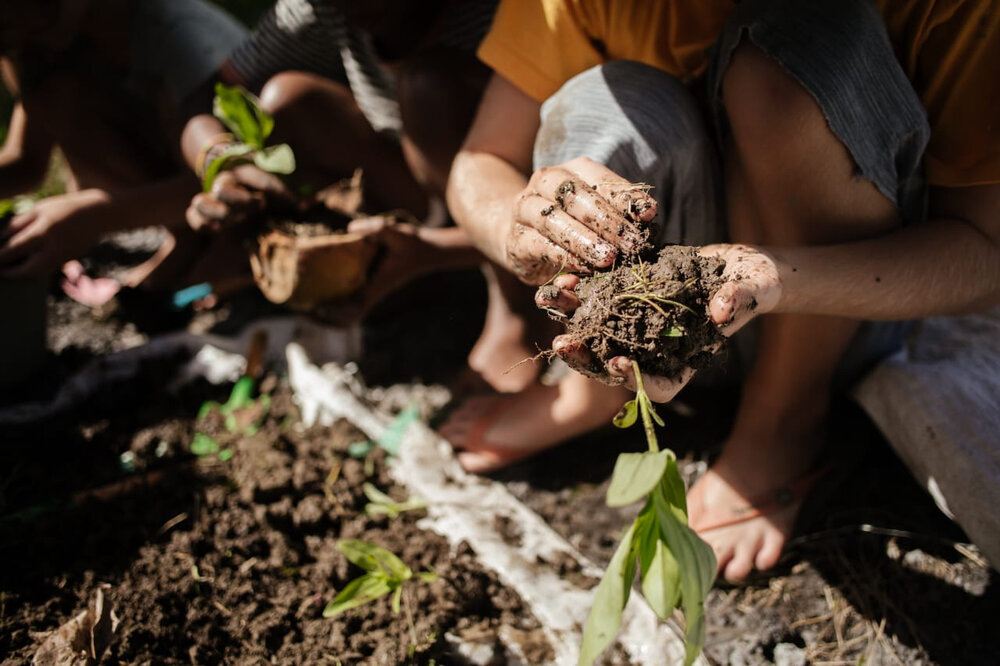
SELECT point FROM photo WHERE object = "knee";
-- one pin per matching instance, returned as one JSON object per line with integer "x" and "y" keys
{"x": 762, "y": 100}
{"x": 438, "y": 93}
{"x": 286, "y": 92}
{"x": 627, "y": 115}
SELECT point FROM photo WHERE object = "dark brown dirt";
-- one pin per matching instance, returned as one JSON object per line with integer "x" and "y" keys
{"x": 653, "y": 313}
{"x": 231, "y": 562}
{"x": 840, "y": 595}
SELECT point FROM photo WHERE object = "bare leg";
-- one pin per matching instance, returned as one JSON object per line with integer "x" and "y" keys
{"x": 504, "y": 353}
{"x": 496, "y": 430}
{"x": 790, "y": 182}
{"x": 439, "y": 93}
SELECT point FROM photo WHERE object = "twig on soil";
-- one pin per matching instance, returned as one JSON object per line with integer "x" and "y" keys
{"x": 173, "y": 522}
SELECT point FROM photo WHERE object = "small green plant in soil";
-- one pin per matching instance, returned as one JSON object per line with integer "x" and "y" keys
{"x": 381, "y": 504}
{"x": 251, "y": 125}
{"x": 241, "y": 402}
{"x": 384, "y": 574}
{"x": 676, "y": 567}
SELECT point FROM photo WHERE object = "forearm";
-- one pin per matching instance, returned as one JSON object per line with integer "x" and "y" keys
{"x": 24, "y": 157}
{"x": 160, "y": 203}
{"x": 450, "y": 249}
{"x": 481, "y": 192}
{"x": 943, "y": 266}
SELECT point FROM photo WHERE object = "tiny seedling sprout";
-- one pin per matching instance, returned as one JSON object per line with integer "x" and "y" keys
{"x": 384, "y": 573}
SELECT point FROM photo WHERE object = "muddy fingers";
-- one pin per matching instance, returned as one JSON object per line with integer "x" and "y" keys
{"x": 564, "y": 230}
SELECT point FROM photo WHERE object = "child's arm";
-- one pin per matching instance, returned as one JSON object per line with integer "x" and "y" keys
{"x": 24, "y": 157}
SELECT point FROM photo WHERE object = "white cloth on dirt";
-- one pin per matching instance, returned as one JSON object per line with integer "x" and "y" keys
{"x": 938, "y": 403}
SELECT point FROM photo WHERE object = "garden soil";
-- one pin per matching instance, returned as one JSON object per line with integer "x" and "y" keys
{"x": 208, "y": 562}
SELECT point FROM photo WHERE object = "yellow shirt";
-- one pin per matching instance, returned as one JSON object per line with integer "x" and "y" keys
{"x": 949, "y": 49}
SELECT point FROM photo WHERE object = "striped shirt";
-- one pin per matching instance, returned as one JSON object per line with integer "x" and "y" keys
{"x": 312, "y": 36}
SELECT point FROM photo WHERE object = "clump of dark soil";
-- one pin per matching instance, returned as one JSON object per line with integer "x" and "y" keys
{"x": 653, "y": 313}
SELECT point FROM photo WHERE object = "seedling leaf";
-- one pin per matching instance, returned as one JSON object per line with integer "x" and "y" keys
{"x": 635, "y": 476}
{"x": 383, "y": 504}
{"x": 358, "y": 592}
{"x": 373, "y": 558}
{"x": 240, "y": 111}
{"x": 202, "y": 445}
{"x": 673, "y": 332}
{"x": 392, "y": 437}
{"x": 696, "y": 564}
{"x": 228, "y": 155}
{"x": 276, "y": 159}
{"x": 647, "y": 405}
{"x": 396, "y": 596}
{"x": 609, "y": 601}
{"x": 627, "y": 415}
{"x": 360, "y": 449}
{"x": 661, "y": 582}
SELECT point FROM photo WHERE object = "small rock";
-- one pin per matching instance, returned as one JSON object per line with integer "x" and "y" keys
{"x": 787, "y": 654}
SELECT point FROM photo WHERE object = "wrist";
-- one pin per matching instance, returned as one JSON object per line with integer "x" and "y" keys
{"x": 92, "y": 197}
{"x": 785, "y": 275}
{"x": 210, "y": 150}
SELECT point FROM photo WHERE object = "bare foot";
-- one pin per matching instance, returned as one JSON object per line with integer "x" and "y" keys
{"x": 92, "y": 292}
{"x": 496, "y": 430}
{"x": 745, "y": 505}
{"x": 504, "y": 353}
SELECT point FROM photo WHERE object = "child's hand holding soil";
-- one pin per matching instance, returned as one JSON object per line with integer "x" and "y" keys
{"x": 670, "y": 315}
{"x": 578, "y": 216}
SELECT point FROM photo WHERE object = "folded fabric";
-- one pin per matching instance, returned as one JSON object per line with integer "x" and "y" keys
{"x": 938, "y": 403}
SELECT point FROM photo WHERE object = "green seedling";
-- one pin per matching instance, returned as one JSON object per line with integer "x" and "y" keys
{"x": 380, "y": 504}
{"x": 676, "y": 567}
{"x": 240, "y": 398}
{"x": 241, "y": 113}
{"x": 204, "y": 446}
{"x": 385, "y": 574}
{"x": 391, "y": 438}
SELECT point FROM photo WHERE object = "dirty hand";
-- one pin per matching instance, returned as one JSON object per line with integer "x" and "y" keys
{"x": 576, "y": 217}
{"x": 35, "y": 243}
{"x": 751, "y": 287}
{"x": 236, "y": 194}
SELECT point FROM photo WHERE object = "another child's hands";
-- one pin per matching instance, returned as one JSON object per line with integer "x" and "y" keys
{"x": 577, "y": 217}
{"x": 236, "y": 195}
{"x": 751, "y": 287}
{"x": 37, "y": 242}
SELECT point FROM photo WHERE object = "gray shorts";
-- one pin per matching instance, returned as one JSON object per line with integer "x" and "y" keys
{"x": 646, "y": 126}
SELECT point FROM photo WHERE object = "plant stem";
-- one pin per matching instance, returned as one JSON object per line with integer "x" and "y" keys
{"x": 643, "y": 400}
{"x": 409, "y": 618}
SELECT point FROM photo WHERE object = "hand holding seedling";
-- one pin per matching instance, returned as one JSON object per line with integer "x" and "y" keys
{"x": 238, "y": 169}
{"x": 237, "y": 194}
{"x": 748, "y": 285}
{"x": 578, "y": 216}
